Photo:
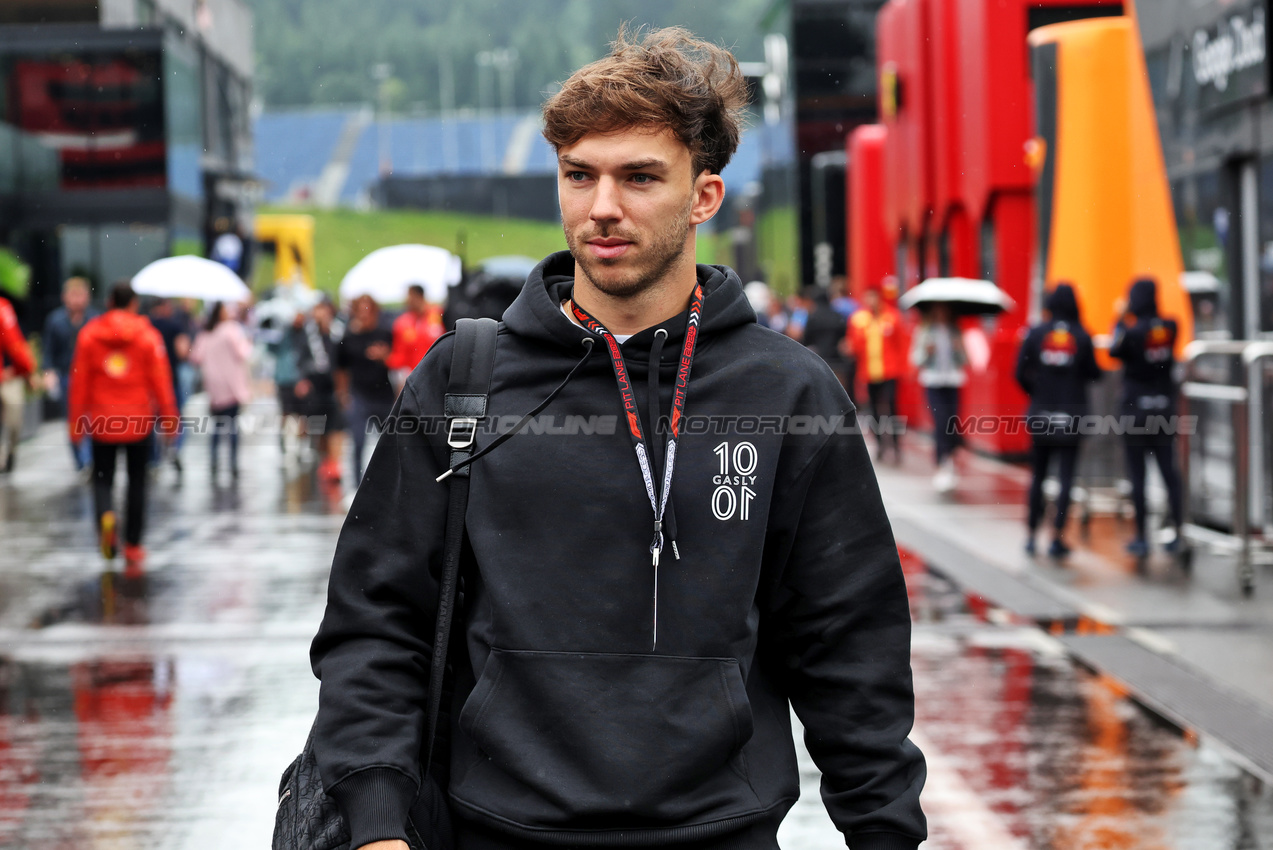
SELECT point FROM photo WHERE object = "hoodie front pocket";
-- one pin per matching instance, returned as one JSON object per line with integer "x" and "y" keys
{"x": 645, "y": 737}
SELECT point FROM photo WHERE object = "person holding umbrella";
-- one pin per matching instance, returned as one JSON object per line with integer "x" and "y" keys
{"x": 222, "y": 352}
{"x": 938, "y": 353}
{"x": 1056, "y": 363}
{"x": 937, "y": 350}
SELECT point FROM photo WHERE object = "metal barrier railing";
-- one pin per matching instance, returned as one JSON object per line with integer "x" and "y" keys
{"x": 1247, "y": 427}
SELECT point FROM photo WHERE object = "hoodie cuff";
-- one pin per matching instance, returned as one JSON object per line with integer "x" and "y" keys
{"x": 375, "y": 803}
{"x": 879, "y": 841}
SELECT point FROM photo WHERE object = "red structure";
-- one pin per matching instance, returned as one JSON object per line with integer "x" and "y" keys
{"x": 957, "y": 108}
{"x": 869, "y": 261}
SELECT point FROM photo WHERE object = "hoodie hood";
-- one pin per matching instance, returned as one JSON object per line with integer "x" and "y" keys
{"x": 117, "y": 328}
{"x": 1142, "y": 302}
{"x": 1062, "y": 304}
{"x": 536, "y": 313}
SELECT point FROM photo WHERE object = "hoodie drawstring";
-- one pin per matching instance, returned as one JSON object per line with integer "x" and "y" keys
{"x": 589, "y": 344}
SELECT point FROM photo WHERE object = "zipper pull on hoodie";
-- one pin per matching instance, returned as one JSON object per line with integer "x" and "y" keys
{"x": 656, "y": 549}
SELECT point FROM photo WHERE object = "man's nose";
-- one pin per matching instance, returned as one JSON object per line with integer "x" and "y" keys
{"x": 605, "y": 202}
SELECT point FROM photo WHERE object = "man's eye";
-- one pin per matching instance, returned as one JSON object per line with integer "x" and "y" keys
{"x": 642, "y": 179}
{"x": 576, "y": 176}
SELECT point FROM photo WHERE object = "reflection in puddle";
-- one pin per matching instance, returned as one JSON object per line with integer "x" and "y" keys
{"x": 110, "y": 598}
{"x": 84, "y": 750}
{"x": 1060, "y": 758}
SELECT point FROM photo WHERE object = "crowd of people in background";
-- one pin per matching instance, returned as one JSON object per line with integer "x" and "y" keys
{"x": 870, "y": 347}
{"x": 864, "y": 344}
{"x": 345, "y": 371}
{"x": 122, "y": 377}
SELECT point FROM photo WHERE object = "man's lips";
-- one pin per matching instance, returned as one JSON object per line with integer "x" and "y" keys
{"x": 609, "y": 248}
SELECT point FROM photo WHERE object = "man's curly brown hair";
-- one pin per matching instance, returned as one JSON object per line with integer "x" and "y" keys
{"x": 668, "y": 78}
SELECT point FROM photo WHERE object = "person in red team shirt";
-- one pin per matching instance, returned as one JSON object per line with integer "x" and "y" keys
{"x": 15, "y": 356}
{"x": 15, "y": 360}
{"x": 120, "y": 383}
{"x": 414, "y": 332}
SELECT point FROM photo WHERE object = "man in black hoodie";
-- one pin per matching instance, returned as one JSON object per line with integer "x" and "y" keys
{"x": 1146, "y": 344}
{"x": 628, "y": 655}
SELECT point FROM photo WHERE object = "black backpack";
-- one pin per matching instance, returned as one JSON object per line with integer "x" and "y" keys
{"x": 309, "y": 819}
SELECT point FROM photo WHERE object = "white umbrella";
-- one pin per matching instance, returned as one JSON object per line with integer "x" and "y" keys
{"x": 190, "y": 277}
{"x": 964, "y": 296}
{"x": 386, "y": 274}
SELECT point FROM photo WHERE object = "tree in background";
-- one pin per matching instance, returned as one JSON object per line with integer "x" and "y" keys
{"x": 433, "y": 48}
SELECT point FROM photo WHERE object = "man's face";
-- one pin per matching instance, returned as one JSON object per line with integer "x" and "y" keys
{"x": 75, "y": 299}
{"x": 628, "y": 202}
{"x": 415, "y": 302}
{"x": 365, "y": 310}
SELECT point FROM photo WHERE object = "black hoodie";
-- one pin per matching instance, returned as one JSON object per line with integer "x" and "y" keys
{"x": 1147, "y": 348}
{"x": 570, "y": 725}
{"x": 1056, "y": 363}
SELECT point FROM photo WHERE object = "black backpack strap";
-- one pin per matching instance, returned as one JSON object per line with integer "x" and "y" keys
{"x": 469, "y": 386}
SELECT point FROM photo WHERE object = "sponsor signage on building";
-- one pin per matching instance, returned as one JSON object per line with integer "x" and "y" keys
{"x": 1229, "y": 57}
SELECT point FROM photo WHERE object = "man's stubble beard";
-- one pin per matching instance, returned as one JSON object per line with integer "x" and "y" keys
{"x": 662, "y": 252}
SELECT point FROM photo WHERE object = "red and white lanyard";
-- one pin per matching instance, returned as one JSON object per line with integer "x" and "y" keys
{"x": 658, "y": 499}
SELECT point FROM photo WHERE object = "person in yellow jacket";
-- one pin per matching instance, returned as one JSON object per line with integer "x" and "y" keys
{"x": 878, "y": 339}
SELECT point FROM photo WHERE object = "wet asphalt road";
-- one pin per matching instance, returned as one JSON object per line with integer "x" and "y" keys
{"x": 158, "y": 712}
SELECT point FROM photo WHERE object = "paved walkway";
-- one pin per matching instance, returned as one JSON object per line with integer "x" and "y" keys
{"x": 158, "y": 713}
{"x": 1217, "y": 644}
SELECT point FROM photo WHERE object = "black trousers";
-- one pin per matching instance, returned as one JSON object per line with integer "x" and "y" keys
{"x": 1164, "y": 452}
{"x": 944, "y": 402}
{"x": 883, "y": 397}
{"x": 1066, "y": 460}
{"x": 137, "y": 456}
{"x": 224, "y": 425}
{"x": 361, "y": 412}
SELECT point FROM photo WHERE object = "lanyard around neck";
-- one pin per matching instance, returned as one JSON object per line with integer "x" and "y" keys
{"x": 658, "y": 497}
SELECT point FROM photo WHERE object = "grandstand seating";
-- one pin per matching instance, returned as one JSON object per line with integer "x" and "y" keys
{"x": 292, "y": 148}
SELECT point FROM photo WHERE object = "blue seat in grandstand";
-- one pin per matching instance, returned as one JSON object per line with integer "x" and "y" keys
{"x": 292, "y": 148}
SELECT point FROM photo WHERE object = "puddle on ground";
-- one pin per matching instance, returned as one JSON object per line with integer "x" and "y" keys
{"x": 1032, "y": 751}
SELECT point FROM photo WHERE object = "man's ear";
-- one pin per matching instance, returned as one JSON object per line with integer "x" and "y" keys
{"x": 709, "y": 193}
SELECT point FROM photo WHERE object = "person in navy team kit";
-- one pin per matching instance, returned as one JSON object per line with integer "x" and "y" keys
{"x": 1146, "y": 343}
{"x": 1056, "y": 363}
